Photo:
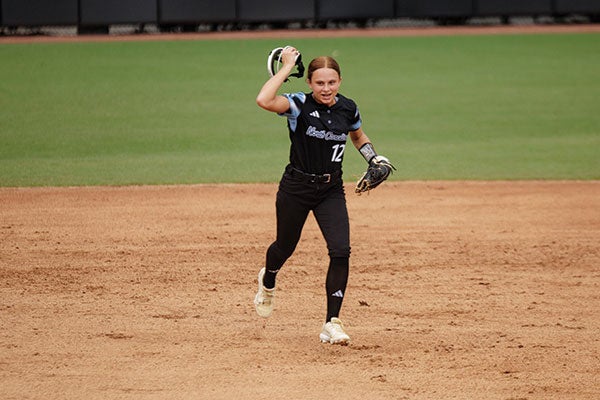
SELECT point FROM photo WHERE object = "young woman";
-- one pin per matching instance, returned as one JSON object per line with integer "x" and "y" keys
{"x": 319, "y": 124}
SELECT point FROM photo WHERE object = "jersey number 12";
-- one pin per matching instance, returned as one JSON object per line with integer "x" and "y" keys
{"x": 338, "y": 152}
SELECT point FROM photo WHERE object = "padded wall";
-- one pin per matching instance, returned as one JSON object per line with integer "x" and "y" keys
{"x": 354, "y": 9}
{"x": 434, "y": 8}
{"x": 513, "y": 7}
{"x": 577, "y": 6}
{"x": 38, "y": 12}
{"x": 106, "y": 12}
{"x": 196, "y": 11}
{"x": 275, "y": 10}
{"x": 90, "y": 13}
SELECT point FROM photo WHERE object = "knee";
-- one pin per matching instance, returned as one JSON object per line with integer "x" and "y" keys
{"x": 339, "y": 252}
{"x": 277, "y": 254}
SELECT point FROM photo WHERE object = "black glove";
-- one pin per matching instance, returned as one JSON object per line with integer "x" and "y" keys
{"x": 378, "y": 171}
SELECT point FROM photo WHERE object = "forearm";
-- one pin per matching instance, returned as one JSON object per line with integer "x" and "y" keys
{"x": 267, "y": 97}
{"x": 359, "y": 139}
{"x": 363, "y": 144}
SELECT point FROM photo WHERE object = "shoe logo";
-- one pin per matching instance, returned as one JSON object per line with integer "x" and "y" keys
{"x": 339, "y": 293}
{"x": 315, "y": 114}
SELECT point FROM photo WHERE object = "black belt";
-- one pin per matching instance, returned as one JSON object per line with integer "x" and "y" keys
{"x": 313, "y": 178}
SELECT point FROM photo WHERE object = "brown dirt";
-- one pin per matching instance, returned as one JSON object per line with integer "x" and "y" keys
{"x": 458, "y": 290}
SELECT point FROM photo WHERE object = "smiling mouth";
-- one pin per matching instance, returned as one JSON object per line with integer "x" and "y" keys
{"x": 323, "y": 98}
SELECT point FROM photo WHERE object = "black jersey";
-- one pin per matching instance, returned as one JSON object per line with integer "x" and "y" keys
{"x": 318, "y": 133}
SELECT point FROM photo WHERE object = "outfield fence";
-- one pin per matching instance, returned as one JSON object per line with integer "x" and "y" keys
{"x": 106, "y": 16}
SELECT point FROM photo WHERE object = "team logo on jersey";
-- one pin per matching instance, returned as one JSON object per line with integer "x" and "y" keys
{"x": 315, "y": 114}
{"x": 326, "y": 135}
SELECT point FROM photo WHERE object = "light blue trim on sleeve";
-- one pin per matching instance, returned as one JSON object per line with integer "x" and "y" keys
{"x": 294, "y": 111}
{"x": 358, "y": 123}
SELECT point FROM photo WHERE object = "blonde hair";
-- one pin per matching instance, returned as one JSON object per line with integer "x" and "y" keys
{"x": 323, "y": 62}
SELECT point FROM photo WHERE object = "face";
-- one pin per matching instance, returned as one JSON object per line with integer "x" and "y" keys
{"x": 325, "y": 83}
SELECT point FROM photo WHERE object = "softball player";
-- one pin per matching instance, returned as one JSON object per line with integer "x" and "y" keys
{"x": 319, "y": 124}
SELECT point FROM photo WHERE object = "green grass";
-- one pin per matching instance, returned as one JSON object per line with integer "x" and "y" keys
{"x": 459, "y": 107}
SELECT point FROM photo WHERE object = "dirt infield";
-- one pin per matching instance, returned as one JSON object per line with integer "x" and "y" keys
{"x": 458, "y": 290}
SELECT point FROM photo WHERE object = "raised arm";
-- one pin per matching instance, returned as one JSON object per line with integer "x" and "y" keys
{"x": 267, "y": 97}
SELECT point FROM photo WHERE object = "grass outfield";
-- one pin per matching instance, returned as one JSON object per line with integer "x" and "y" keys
{"x": 451, "y": 107}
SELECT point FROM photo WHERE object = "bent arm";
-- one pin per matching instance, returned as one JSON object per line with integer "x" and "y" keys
{"x": 359, "y": 138}
{"x": 364, "y": 146}
{"x": 267, "y": 97}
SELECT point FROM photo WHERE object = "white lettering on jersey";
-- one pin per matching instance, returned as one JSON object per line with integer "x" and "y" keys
{"x": 325, "y": 135}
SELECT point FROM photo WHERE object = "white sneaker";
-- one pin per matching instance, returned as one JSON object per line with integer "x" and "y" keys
{"x": 333, "y": 332}
{"x": 263, "y": 301}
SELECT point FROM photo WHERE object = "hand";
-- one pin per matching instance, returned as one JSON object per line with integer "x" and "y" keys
{"x": 289, "y": 55}
{"x": 378, "y": 171}
{"x": 380, "y": 160}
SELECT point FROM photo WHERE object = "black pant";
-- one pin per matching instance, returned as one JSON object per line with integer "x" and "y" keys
{"x": 296, "y": 198}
